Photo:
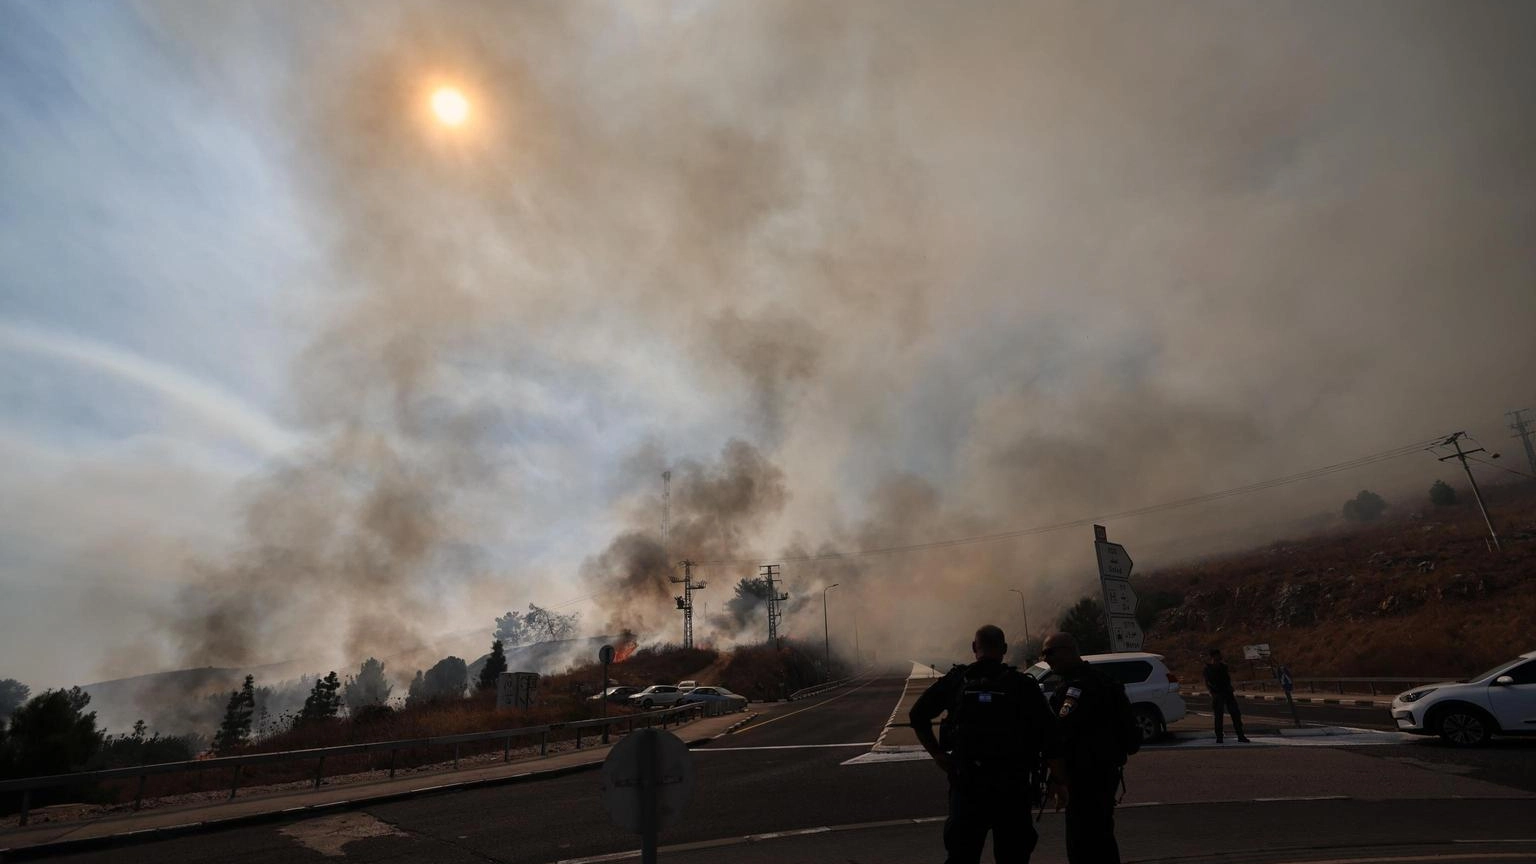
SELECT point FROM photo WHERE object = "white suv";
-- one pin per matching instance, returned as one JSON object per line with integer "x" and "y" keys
{"x": 1501, "y": 701}
{"x": 1152, "y": 689}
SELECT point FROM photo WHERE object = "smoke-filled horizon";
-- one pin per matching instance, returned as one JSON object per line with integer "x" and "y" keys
{"x": 860, "y": 276}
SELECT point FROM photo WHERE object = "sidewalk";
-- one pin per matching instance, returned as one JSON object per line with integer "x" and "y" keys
{"x": 1357, "y": 700}
{"x": 167, "y": 821}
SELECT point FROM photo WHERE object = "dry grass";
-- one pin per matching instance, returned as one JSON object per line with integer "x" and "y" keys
{"x": 1420, "y": 594}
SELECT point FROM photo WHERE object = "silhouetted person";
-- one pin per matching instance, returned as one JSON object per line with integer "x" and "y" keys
{"x": 1097, "y": 733}
{"x": 1219, "y": 682}
{"x": 997, "y": 732}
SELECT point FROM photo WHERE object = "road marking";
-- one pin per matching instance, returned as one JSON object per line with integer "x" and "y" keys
{"x": 1409, "y": 858}
{"x": 780, "y": 747}
{"x": 753, "y": 838}
{"x": 806, "y": 708}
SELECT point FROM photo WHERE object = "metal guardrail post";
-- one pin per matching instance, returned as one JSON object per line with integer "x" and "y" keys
{"x": 138, "y": 798}
{"x": 544, "y": 743}
{"x": 506, "y": 749}
{"x": 578, "y": 737}
{"x": 26, "y": 804}
{"x": 235, "y": 785}
{"x": 392, "y": 752}
{"x": 455, "y": 755}
{"x": 319, "y": 770}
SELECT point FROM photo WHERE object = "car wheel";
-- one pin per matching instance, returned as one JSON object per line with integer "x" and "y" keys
{"x": 647, "y": 704}
{"x": 1463, "y": 727}
{"x": 1148, "y": 722}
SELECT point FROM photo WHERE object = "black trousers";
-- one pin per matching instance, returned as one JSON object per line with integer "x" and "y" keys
{"x": 985, "y": 799}
{"x": 1091, "y": 816}
{"x": 1227, "y": 702}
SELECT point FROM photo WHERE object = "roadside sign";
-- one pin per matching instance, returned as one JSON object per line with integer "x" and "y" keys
{"x": 605, "y": 655}
{"x": 1256, "y": 652}
{"x": 647, "y": 779}
{"x": 1119, "y": 599}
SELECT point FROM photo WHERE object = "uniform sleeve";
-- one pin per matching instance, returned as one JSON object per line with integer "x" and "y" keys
{"x": 934, "y": 700}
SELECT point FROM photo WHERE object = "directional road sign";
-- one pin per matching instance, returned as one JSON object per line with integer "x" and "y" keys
{"x": 1119, "y": 600}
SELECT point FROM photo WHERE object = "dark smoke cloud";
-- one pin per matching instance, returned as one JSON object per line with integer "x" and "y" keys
{"x": 931, "y": 272}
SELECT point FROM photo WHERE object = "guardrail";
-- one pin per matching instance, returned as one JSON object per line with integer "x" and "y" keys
{"x": 27, "y": 785}
{"x": 819, "y": 688}
{"x": 1395, "y": 685}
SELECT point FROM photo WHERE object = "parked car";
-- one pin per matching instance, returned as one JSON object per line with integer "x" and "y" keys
{"x": 1151, "y": 687}
{"x": 687, "y": 685}
{"x": 1501, "y": 701}
{"x": 656, "y": 695}
{"x": 736, "y": 701}
{"x": 619, "y": 694}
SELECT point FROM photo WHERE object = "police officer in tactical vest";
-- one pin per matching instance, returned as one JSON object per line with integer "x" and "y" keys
{"x": 1098, "y": 732}
{"x": 997, "y": 732}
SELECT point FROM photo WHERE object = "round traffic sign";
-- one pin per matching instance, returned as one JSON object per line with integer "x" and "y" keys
{"x": 648, "y": 762}
{"x": 605, "y": 655}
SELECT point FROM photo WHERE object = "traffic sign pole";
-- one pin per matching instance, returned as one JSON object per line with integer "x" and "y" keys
{"x": 647, "y": 796}
{"x": 604, "y": 656}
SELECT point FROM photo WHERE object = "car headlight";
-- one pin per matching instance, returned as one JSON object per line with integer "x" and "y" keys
{"x": 1416, "y": 695}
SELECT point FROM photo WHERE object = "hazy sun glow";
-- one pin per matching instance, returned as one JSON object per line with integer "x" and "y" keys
{"x": 450, "y": 106}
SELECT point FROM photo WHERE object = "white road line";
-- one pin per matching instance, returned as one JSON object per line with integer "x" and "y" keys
{"x": 780, "y": 747}
{"x": 806, "y": 708}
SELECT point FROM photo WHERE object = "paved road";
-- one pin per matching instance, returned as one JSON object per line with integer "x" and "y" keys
{"x": 777, "y": 775}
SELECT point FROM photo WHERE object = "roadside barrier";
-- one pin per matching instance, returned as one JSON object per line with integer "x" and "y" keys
{"x": 661, "y": 717}
{"x": 1391, "y": 686}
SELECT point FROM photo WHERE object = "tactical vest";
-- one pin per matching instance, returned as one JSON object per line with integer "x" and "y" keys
{"x": 988, "y": 721}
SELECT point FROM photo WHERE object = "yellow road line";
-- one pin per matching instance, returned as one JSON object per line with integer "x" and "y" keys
{"x": 806, "y": 708}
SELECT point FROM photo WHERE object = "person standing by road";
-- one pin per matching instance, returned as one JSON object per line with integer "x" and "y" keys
{"x": 1219, "y": 682}
{"x": 998, "y": 731}
{"x": 1098, "y": 732}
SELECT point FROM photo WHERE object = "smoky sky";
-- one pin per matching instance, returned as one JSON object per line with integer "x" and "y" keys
{"x": 860, "y": 275}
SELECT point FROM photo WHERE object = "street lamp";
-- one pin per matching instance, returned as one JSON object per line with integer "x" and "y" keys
{"x": 826, "y": 629}
{"x": 1025, "y": 610}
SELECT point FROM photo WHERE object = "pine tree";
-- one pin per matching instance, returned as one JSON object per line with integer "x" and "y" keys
{"x": 494, "y": 666}
{"x": 323, "y": 702}
{"x": 369, "y": 689}
{"x": 236, "y": 727}
{"x": 417, "y": 693}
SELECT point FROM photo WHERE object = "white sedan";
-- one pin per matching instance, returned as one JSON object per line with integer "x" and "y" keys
{"x": 733, "y": 701}
{"x": 657, "y": 695}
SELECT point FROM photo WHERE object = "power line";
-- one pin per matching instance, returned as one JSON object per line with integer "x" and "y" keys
{"x": 1348, "y": 465}
{"x": 1386, "y": 455}
{"x": 1502, "y": 468}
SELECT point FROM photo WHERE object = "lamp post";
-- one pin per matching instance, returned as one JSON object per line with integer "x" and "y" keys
{"x": 1024, "y": 609}
{"x": 826, "y": 628}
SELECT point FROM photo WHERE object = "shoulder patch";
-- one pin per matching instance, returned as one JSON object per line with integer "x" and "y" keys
{"x": 1074, "y": 692}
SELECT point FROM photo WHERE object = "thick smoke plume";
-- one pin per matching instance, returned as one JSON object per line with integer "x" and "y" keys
{"x": 930, "y": 272}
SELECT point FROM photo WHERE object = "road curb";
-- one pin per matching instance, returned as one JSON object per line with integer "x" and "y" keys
{"x": 733, "y": 727}
{"x": 152, "y": 835}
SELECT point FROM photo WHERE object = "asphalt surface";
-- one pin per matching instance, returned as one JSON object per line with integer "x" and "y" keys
{"x": 777, "y": 774}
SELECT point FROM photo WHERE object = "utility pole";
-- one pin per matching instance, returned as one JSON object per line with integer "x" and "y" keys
{"x": 769, "y": 573}
{"x": 1454, "y": 440}
{"x": 1522, "y": 431}
{"x": 685, "y": 601}
{"x": 826, "y": 628}
{"x": 666, "y": 513}
{"x": 1025, "y": 610}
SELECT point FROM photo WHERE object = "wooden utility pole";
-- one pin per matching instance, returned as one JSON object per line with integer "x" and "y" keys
{"x": 1522, "y": 431}
{"x": 1454, "y": 440}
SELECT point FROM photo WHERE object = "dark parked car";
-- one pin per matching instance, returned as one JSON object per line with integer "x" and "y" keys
{"x": 619, "y": 695}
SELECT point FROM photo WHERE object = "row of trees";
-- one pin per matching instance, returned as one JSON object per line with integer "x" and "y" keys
{"x": 1368, "y": 506}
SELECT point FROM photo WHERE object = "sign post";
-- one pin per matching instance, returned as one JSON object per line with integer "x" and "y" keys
{"x": 1119, "y": 600}
{"x": 646, "y": 782}
{"x": 604, "y": 656}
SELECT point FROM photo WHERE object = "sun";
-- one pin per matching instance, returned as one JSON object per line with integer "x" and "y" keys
{"x": 450, "y": 106}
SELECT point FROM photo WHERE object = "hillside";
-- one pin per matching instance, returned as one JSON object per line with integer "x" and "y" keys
{"x": 1416, "y": 594}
